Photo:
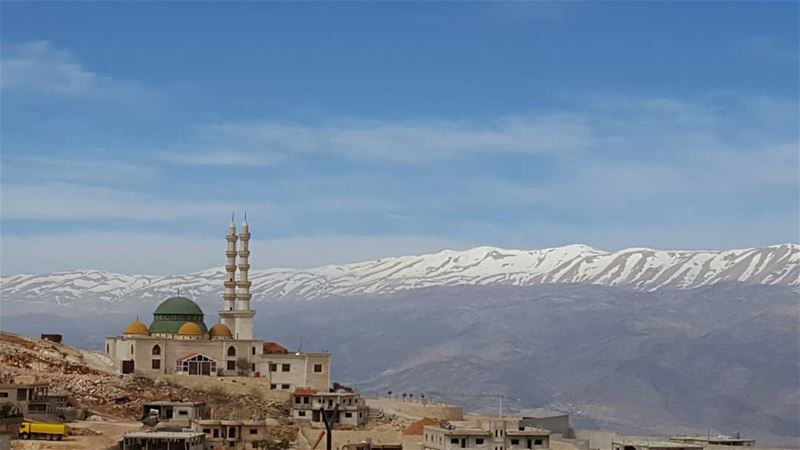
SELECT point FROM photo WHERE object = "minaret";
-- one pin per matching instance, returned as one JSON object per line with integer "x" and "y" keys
{"x": 244, "y": 321}
{"x": 226, "y": 315}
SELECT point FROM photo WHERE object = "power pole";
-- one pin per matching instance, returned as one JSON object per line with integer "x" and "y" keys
{"x": 329, "y": 419}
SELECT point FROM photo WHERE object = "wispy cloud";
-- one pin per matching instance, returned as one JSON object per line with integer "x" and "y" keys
{"x": 41, "y": 68}
{"x": 84, "y": 167}
{"x": 70, "y": 201}
{"x": 403, "y": 141}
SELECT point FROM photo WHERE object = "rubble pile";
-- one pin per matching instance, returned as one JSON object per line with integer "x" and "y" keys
{"x": 120, "y": 396}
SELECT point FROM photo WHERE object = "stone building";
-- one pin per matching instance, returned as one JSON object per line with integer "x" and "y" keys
{"x": 232, "y": 434}
{"x": 308, "y": 404}
{"x": 178, "y": 341}
{"x": 715, "y": 442}
{"x": 500, "y": 434}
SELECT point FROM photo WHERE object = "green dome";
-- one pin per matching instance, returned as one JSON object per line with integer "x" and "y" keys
{"x": 178, "y": 305}
{"x": 174, "y": 312}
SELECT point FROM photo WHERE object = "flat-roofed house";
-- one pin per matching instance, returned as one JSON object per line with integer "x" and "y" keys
{"x": 163, "y": 440}
{"x": 308, "y": 404}
{"x": 715, "y": 442}
{"x": 174, "y": 415}
{"x": 500, "y": 434}
{"x": 232, "y": 434}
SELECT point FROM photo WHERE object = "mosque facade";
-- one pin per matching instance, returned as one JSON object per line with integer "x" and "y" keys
{"x": 178, "y": 341}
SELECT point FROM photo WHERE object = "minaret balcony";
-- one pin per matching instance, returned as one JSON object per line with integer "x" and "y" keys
{"x": 231, "y": 253}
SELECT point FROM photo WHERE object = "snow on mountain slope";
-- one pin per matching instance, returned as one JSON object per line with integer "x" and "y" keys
{"x": 639, "y": 268}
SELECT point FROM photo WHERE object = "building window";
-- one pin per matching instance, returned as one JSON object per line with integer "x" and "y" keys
{"x": 285, "y": 367}
{"x": 537, "y": 442}
{"x": 253, "y": 430}
{"x": 183, "y": 413}
{"x": 156, "y": 364}
{"x": 216, "y": 432}
{"x": 253, "y": 351}
{"x": 231, "y": 351}
{"x": 4, "y": 394}
{"x": 131, "y": 349}
{"x": 285, "y": 386}
{"x": 348, "y": 415}
{"x": 156, "y": 350}
{"x": 231, "y": 365}
{"x": 273, "y": 386}
{"x": 301, "y": 413}
{"x": 479, "y": 441}
{"x": 108, "y": 349}
{"x": 454, "y": 440}
{"x": 207, "y": 430}
{"x": 306, "y": 400}
{"x": 317, "y": 368}
{"x": 515, "y": 442}
{"x": 273, "y": 367}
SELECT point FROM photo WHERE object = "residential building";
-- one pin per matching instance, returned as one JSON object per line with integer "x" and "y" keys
{"x": 715, "y": 442}
{"x": 350, "y": 408}
{"x": 499, "y": 434}
{"x": 174, "y": 415}
{"x": 556, "y": 423}
{"x": 232, "y": 434}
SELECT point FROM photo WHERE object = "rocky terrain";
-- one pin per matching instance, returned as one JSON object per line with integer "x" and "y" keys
{"x": 79, "y": 373}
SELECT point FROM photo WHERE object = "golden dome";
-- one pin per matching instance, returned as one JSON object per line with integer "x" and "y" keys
{"x": 220, "y": 330}
{"x": 190, "y": 329}
{"x": 136, "y": 327}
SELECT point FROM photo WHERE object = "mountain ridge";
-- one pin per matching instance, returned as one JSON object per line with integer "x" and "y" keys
{"x": 642, "y": 269}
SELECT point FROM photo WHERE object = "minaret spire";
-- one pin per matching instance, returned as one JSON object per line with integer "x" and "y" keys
{"x": 229, "y": 295}
{"x": 244, "y": 321}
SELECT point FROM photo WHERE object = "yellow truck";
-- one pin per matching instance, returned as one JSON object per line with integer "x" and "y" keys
{"x": 41, "y": 430}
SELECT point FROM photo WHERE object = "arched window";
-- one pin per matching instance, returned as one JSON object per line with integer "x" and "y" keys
{"x": 231, "y": 351}
{"x": 156, "y": 350}
{"x": 131, "y": 349}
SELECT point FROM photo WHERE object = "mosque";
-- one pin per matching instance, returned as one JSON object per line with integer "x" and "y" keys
{"x": 179, "y": 342}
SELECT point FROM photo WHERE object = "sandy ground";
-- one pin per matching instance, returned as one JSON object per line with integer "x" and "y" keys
{"x": 110, "y": 434}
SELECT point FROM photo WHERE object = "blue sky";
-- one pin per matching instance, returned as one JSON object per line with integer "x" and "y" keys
{"x": 348, "y": 131}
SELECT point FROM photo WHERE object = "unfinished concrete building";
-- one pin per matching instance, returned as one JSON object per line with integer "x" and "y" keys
{"x": 36, "y": 402}
{"x": 163, "y": 440}
{"x": 174, "y": 415}
{"x": 308, "y": 404}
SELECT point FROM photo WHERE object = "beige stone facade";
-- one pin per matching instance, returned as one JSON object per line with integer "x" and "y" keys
{"x": 231, "y": 434}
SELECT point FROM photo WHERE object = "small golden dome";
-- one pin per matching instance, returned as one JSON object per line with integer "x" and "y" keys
{"x": 190, "y": 329}
{"x": 136, "y": 327}
{"x": 220, "y": 330}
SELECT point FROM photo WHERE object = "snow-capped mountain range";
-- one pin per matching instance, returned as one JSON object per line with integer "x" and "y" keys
{"x": 637, "y": 268}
